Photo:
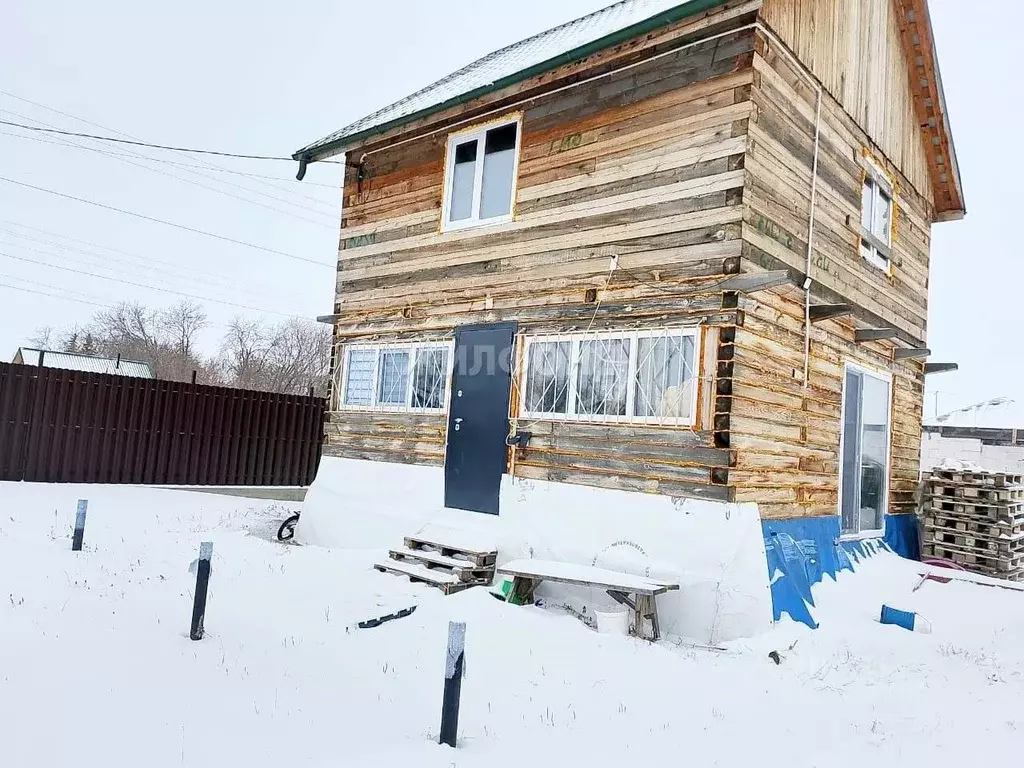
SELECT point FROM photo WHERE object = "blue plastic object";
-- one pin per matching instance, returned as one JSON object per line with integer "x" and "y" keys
{"x": 905, "y": 619}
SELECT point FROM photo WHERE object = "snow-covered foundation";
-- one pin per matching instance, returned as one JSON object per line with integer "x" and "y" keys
{"x": 738, "y": 574}
{"x": 715, "y": 550}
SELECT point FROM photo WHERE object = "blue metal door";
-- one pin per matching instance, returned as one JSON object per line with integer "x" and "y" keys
{"x": 476, "y": 454}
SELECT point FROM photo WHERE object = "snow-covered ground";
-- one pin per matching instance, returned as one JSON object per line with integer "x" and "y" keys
{"x": 96, "y": 667}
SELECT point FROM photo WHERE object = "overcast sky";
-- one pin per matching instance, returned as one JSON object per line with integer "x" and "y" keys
{"x": 267, "y": 78}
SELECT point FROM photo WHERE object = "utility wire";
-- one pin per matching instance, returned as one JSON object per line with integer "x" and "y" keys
{"x": 149, "y": 260}
{"x": 326, "y": 208}
{"x": 94, "y": 300}
{"x": 167, "y": 223}
{"x": 207, "y": 163}
{"x": 90, "y": 265}
{"x": 53, "y": 295}
{"x": 167, "y": 147}
{"x": 152, "y": 287}
{"x": 124, "y": 159}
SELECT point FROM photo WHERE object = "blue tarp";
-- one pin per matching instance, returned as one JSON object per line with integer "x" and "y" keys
{"x": 801, "y": 552}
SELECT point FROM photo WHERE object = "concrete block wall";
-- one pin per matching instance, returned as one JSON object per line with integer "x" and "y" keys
{"x": 994, "y": 458}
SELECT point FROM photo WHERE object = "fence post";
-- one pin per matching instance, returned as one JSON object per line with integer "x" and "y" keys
{"x": 76, "y": 541}
{"x": 453, "y": 669}
{"x": 202, "y": 583}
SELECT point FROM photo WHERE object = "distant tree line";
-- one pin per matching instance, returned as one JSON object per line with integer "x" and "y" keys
{"x": 288, "y": 357}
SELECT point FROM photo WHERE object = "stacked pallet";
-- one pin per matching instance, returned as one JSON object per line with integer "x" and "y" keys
{"x": 976, "y": 519}
{"x": 451, "y": 567}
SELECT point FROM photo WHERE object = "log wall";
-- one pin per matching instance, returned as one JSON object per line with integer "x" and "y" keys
{"x": 786, "y": 437}
{"x": 688, "y": 167}
{"x": 645, "y": 164}
{"x": 853, "y": 47}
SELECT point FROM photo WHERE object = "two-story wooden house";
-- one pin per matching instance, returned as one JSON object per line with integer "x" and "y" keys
{"x": 675, "y": 248}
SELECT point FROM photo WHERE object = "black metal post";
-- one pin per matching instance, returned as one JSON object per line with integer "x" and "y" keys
{"x": 202, "y": 583}
{"x": 453, "y": 671}
{"x": 76, "y": 541}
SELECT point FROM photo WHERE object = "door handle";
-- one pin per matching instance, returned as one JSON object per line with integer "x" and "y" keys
{"x": 458, "y": 422}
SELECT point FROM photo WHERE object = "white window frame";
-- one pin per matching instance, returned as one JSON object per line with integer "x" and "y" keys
{"x": 879, "y": 250}
{"x": 574, "y": 367}
{"x": 888, "y": 379}
{"x": 479, "y": 133}
{"x": 413, "y": 348}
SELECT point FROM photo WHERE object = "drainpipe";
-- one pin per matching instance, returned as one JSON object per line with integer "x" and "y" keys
{"x": 810, "y": 246}
{"x": 816, "y": 87}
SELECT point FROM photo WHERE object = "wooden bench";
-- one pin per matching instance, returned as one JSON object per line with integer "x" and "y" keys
{"x": 637, "y": 593}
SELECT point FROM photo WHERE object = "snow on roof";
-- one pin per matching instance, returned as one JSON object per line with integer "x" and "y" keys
{"x": 74, "y": 361}
{"x": 505, "y": 63}
{"x": 997, "y": 413}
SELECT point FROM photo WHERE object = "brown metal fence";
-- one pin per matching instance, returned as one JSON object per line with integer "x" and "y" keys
{"x": 61, "y": 426}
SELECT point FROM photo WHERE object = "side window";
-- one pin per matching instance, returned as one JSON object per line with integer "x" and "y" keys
{"x": 399, "y": 377}
{"x": 876, "y": 218}
{"x": 480, "y": 176}
{"x": 864, "y": 469}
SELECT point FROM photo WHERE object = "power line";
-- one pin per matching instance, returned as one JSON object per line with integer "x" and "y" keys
{"x": 138, "y": 263}
{"x": 145, "y": 257}
{"x": 200, "y": 159}
{"x": 167, "y": 223}
{"x": 125, "y": 159}
{"x": 167, "y": 147}
{"x": 151, "y": 287}
{"x": 137, "y": 268}
{"x": 52, "y": 295}
{"x": 120, "y": 152}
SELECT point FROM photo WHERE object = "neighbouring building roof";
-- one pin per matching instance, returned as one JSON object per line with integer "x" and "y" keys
{"x": 540, "y": 53}
{"x": 75, "y": 361}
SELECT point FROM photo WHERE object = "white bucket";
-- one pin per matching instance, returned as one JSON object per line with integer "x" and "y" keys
{"x": 613, "y": 622}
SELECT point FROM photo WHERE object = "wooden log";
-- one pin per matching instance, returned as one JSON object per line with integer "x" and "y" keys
{"x": 821, "y": 312}
{"x": 911, "y": 354}
{"x": 874, "y": 334}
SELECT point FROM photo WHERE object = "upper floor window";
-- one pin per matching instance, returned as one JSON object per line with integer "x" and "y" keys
{"x": 876, "y": 218}
{"x": 481, "y": 175}
{"x": 395, "y": 377}
{"x": 640, "y": 376}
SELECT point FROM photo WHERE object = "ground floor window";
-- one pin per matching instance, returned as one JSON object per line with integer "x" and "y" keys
{"x": 405, "y": 376}
{"x": 863, "y": 482}
{"x": 639, "y": 376}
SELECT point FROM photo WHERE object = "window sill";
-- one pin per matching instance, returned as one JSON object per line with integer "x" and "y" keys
{"x": 862, "y": 535}
{"x": 624, "y": 421}
{"x": 391, "y": 409}
{"x": 462, "y": 226}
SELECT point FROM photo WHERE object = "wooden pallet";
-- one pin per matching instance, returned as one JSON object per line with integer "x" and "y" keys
{"x": 968, "y": 542}
{"x": 998, "y": 529}
{"x": 464, "y": 570}
{"x": 946, "y": 489}
{"x": 482, "y": 557}
{"x": 996, "y": 479}
{"x": 992, "y": 563}
{"x": 419, "y": 574}
{"x": 449, "y": 567}
{"x": 986, "y": 510}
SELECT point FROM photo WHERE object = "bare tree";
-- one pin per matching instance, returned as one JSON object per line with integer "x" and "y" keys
{"x": 182, "y": 323}
{"x": 289, "y": 358}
